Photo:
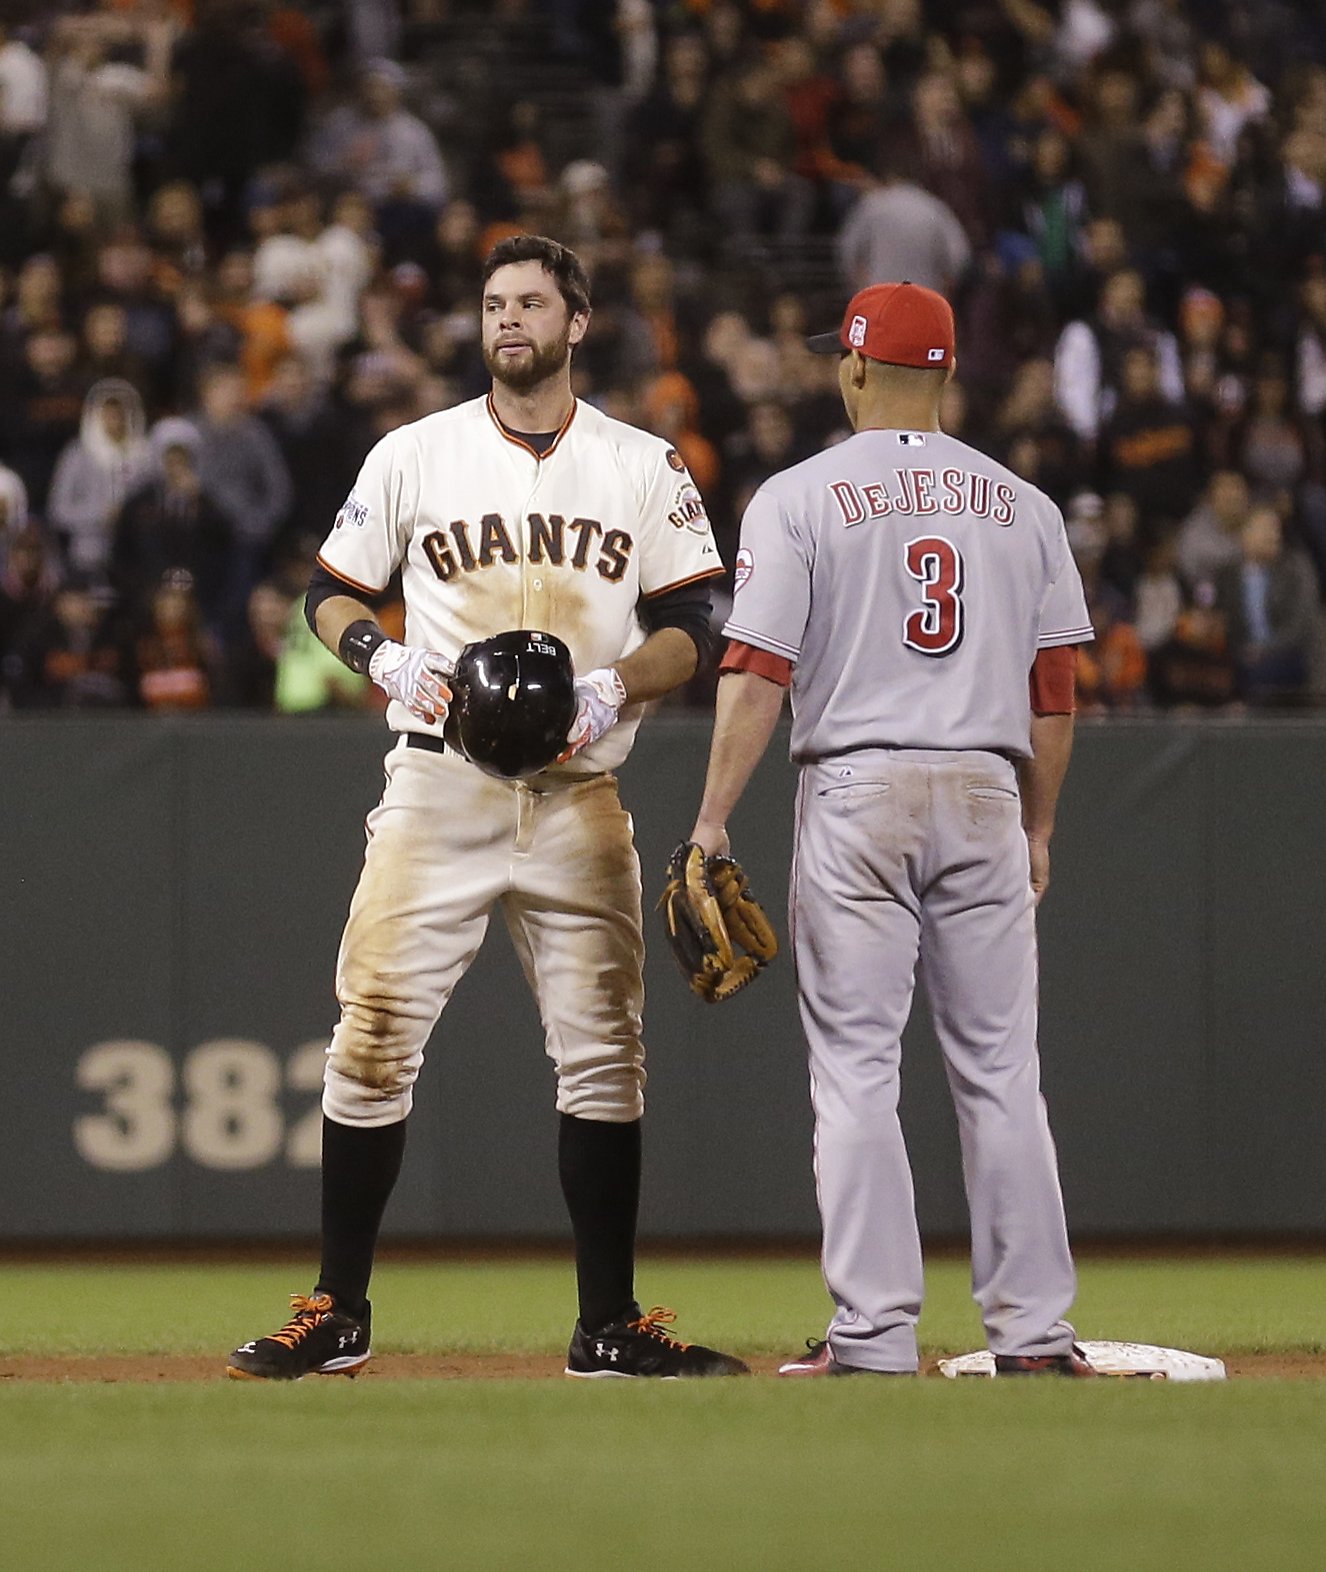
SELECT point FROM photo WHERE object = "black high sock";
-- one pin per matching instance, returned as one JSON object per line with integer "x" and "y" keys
{"x": 599, "y": 1166}
{"x": 359, "y": 1171}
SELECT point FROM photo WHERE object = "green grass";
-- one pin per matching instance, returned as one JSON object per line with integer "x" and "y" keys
{"x": 414, "y": 1475}
{"x": 1241, "y": 1304}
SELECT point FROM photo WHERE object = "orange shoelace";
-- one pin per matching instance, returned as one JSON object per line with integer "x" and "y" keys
{"x": 653, "y": 1321}
{"x": 309, "y": 1313}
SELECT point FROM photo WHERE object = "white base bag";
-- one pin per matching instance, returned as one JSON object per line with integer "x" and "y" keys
{"x": 1140, "y": 1361}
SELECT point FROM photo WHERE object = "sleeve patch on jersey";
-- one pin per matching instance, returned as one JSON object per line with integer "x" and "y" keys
{"x": 688, "y": 512}
{"x": 742, "y": 568}
{"x": 354, "y": 513}
{"x": 677, "y": 462}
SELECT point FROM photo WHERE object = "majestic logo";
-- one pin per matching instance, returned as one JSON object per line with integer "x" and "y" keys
{"x": 688, "y": 511}
{"x": 856, "y": 334}
{"x": 742, "y": 568}
{"x": 353, "y": 512}
{"x": 675, "y": 459}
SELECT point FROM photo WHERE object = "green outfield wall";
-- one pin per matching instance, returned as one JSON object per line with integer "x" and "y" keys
{"x": 173, "y": 893}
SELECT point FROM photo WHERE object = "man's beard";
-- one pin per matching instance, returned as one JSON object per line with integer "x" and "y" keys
{"x": 544, "y": 362}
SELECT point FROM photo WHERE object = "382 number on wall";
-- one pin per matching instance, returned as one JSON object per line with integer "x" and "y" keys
{"x": 223, "y": 1108}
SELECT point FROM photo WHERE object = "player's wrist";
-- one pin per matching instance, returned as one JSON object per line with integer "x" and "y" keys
{"x": 360, "y": 645}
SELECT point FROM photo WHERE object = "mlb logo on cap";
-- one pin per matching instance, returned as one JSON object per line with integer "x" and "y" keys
{"x": 900, "y": 324}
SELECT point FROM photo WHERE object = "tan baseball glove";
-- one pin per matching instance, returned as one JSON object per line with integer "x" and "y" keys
{"x": 711, "y": 915}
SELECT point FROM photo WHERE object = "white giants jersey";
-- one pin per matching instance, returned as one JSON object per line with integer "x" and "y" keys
{"x": 912, "y": 580}
{"x": 489, "y": 537}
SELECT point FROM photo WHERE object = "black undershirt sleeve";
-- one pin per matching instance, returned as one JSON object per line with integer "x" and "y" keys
{"x": 688, "y": 607}
{"x": 323, "y": 585}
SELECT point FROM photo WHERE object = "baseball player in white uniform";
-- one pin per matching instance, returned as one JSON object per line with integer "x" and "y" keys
{"x": 922, "y": 605}
{"x": 523, "y": 509}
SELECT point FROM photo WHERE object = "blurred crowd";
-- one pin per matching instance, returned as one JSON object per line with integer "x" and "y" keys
{"x": 240, "y": 240}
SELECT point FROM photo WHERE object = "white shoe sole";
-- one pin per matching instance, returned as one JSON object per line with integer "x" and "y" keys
{"x": 613, "y": 1375}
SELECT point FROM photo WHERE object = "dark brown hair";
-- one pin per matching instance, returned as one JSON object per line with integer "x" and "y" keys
{"x": 558, "y": 260}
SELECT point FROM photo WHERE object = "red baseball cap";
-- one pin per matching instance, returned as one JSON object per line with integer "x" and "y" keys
{"x": 901, "y": 324}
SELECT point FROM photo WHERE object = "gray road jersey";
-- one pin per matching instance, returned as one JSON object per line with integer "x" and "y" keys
{"x": 912, "y": 580}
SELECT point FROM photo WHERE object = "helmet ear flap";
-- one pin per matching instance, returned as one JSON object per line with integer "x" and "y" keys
{"x": 513, "y": 702}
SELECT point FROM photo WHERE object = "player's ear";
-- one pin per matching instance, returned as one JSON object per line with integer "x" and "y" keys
{"x": 952, "y": 369}
{"x": 859, "y": 368}
{"x": 579, "y": 327}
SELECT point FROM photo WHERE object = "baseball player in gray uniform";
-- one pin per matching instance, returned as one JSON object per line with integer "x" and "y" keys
{"x": 922, "y": 605}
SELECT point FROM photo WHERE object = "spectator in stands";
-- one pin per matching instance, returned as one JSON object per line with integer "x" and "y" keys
{"x": 230, "y": 57}
{"x": 1054, "y": 210}
{"x": 320, "y": 444}
{"x": 378, "y": 146}
{"x": 95, "y": 99}
{"x": 240, "y": 465}
{"x": 175, "y": 659}
{"x": 97, "y": 470}
{"x": 67, "y": 657}
{"x": 899, "y": 231}
{"x": 940, "y": 146}
{"x": 1209, "y": 538}
{"x": 105, "y": 353}
{"x": 170, "y": 521}
{"x": 1148, "y": 447}
{"x": 1158, "y": 596}
{"x": 248, "y": 676}
{"x": 28, "y": 579}
{"x": 664, "y": 174}
{"x": 317, "y": 273}
{"x": 1090, "y": 354}
{"x": 13, "y": 507}
{"x": 24, "y": 97}
{"x": 748, "y": 143}
{"x": 1269, "y": 602}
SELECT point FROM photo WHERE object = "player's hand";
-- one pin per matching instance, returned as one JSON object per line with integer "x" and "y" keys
{"x": 711, "y": 838}
{"x": 1039, "y": 849}
{"x": 599, "y": 698}
{"x": 416, "y": 677}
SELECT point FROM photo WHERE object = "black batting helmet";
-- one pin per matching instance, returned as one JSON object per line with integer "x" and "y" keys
{"x": 513, "y": 701}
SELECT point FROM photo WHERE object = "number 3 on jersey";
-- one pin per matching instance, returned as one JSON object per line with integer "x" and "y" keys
{"x": 936, "y": 563}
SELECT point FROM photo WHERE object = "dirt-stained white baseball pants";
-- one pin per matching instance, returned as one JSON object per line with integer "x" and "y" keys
{"x": 907, "y": 854}
{"x": 447, "y": 843}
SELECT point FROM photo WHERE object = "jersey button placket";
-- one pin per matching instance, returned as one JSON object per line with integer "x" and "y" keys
{"x": 533, "y": 611}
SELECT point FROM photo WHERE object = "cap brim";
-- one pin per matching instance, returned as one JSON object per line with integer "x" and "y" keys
{"x": 825, "y": 344}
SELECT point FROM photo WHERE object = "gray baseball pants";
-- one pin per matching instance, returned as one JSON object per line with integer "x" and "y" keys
{"x": 906, "y": 856}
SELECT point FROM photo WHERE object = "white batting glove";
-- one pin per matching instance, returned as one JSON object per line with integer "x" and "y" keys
{"x": 416, "y": 677}
{"x": 599, "y": 698}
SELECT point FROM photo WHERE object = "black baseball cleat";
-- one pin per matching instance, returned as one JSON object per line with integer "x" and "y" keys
{"x": 818, "y": 1360}
{"x": 638, "y": 1346}
{"x": 1072, "y": 1364}
{"x": 318, "y": 1339}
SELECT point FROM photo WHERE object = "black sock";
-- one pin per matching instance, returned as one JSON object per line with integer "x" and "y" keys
{"x": 599, "y": 1165}
{"x": 359, "y": 1170}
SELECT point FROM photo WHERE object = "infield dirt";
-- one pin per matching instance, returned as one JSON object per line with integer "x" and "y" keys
{"x": 148, "y": 1369}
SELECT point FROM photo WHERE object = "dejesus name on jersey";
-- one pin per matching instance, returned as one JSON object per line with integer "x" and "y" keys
{"x": 489, "y": 536}
{"x": 912, "y": 580}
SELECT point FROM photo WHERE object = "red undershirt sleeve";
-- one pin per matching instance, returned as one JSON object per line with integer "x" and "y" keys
{"x": 1054, "y": 681}
{"x": 746, "y": 657}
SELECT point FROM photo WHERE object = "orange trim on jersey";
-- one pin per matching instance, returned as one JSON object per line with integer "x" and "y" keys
{"x": 1053, "y": 680}
{"x": 740, "y": 656}
{"x": 345, "y": 578}
{"x": 521, "y": 443}
{"x": 695, "y": 578}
